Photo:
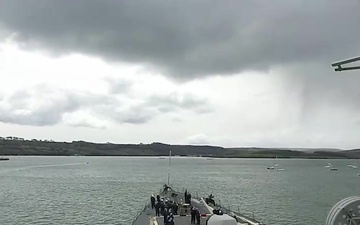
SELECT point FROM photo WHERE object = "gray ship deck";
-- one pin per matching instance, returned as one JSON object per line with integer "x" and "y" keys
{"x": 145, "y": 216}
{"x": 178, "y": 220}
{"x": 148, "y": 217}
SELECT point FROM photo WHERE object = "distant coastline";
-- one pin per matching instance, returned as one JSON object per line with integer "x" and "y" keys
{"x": 20, "y": 146}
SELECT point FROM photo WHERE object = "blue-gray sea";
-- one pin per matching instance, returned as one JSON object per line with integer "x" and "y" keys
{"x": 111, "y": 190}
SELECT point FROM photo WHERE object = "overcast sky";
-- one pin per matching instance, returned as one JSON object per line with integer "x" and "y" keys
{"x": 229, "y": 73}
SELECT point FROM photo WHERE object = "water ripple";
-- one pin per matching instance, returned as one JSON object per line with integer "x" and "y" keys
{"x": 112, "y": 190}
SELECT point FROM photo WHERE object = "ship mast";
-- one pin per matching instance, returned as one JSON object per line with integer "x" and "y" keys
{"x": 169, "y": 172}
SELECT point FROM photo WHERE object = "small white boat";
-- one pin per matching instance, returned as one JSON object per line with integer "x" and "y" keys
{"x": 328, "y": 165}
{"x": 280, "y": 169}
{"x": 270, "y": 167}
{"x": 352, "y": 166}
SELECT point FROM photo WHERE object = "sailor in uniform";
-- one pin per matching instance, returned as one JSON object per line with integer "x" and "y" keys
{"x": 170, "y": 219}
{"x": 152, "y": 201}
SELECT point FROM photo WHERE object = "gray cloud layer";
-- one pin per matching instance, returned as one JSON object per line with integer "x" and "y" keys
{"x": 174, "y": 101}
{"x": 190, "y": 38}
{"x": 45, "y": 105}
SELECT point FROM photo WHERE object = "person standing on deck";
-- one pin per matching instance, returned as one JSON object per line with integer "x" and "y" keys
{"x": 189, "y": 198}
{"x": 157, "y": 208}
{"x": 165, "y": 214}
{"x": 166, "y": 205}
{"x": 170, "y": 219}
{"x": 158, "y": 198}
{"x": 162, "y": 207}
{"x": 171, "y": 206}
{"x": 197, "y": 213}
{"x": 193, "y": 215}
{"x": 152, "y": 201}
{"x": 176, "y": 207}
{"x": 185, "y": 195}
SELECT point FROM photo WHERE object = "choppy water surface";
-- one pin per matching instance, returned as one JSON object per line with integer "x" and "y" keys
{"x": 111, "y": 190}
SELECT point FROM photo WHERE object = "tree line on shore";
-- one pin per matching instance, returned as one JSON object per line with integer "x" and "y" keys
{"x": 20, "y": 146}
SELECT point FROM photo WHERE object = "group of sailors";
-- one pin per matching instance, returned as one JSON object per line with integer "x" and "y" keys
{"x": 195, "y": 215}
{"x": 166, "y": 208}
{"x": 169, "y": 208}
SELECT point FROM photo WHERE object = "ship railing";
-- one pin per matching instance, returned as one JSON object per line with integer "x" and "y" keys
{"x": 246, "y": 215}
{"x": 142, "y": 209}
{"x": 250, "y": 216}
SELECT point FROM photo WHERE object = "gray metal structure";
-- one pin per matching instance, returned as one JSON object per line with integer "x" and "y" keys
{"x": 345, "y": 212}
{"x": 347, "y": 61}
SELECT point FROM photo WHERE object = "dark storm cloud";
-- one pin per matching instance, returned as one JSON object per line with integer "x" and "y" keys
{"x": 186, "y": 39}
{"x": 327, "y": 102}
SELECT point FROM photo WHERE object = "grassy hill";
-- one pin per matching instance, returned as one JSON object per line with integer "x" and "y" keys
{"x": 19, "y": 146}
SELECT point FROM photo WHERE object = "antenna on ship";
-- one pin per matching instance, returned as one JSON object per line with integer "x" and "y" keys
{"x": 340, "y": 63}
{"x": 169, "y": 172}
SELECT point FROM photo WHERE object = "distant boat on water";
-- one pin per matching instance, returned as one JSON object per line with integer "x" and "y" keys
{"x": 161, "y": 157}
{"x": 275, "y": 166}
{"x": 4, "y": 159}
{"x": 352, "y": 166}
{"x": 331, "y": 167}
